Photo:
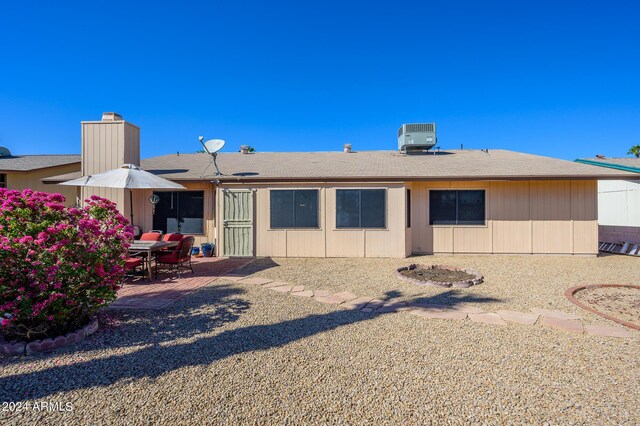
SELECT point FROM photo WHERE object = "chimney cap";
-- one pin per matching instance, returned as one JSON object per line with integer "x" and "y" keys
{"x": 111, "y": 116}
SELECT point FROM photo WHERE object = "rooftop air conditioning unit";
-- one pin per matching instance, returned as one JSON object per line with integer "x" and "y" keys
{"x": 416, "y": 136}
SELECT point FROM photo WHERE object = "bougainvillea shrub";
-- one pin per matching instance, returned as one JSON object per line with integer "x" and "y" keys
{"x": 58, "y": 265}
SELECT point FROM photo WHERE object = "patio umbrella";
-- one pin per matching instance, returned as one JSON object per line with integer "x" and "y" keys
{"x": 127, "y": 176}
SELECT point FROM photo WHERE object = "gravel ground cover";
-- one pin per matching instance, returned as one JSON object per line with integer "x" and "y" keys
{"x": 243, "y": 354}
{"x": 510, "y": 282}
{"x": 619, "y": 302}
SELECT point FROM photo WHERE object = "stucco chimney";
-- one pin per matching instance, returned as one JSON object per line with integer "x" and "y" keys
{"x": 106, "y": 145}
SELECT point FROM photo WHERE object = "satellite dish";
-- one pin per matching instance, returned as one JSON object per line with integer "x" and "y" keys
{"x": 214, "y": 145}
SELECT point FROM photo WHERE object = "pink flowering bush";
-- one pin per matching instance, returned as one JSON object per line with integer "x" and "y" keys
{"x": 58, "y": 265}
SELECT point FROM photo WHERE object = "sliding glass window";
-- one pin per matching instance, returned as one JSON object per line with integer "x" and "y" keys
{"x": 181, "y": 211}
{"x": 294, "y": 208}
{"x": 361, "y": 208}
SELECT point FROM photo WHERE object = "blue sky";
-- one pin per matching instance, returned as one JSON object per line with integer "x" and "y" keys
{"x": 555, "y": 78}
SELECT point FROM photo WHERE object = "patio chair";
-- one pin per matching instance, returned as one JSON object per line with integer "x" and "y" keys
{"x": 151, "y": 236}
{"x": 132, "y": 263}
{"x": 180, "y": 257}
{"x": 170, "y": 237}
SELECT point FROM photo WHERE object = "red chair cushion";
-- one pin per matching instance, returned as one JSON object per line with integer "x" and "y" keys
{"x": 150, "y": 236}
{"x": 132, "y": 262}
{"x": 172, "y": 237}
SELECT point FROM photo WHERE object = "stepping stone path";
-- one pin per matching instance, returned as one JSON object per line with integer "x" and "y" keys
{"x": 519, "y": 317}
{"x": 570, "y": 325}
{"x": 346, "y": 300}
{"x": 606, "y": 331}
{"x": 555, "y": 314}
{"x": 490, "y": 318}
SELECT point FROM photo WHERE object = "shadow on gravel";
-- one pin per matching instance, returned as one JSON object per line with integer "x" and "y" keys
{"x": 155, "y": 359}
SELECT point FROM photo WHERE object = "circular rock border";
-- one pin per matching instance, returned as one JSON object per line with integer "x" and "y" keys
{"x": 569, "y": 294}
{"x": 459, "y": 284}
{"x": 14, "y": 348}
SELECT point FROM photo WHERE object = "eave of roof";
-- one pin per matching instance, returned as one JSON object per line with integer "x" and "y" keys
{"x": 609, "y": 165}
{"x": 28, "y": 163}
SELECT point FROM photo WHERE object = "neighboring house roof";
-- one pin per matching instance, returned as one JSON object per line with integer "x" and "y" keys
{"x": 626, "y": 163}
{"x": 26, "y": 163}
{"x": 374, "y": 165}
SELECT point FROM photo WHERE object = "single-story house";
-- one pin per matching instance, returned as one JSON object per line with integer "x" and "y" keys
{"x": 618, "y": 200}
{"x": 27, "y": 171}
{"x": 358, "y": 204}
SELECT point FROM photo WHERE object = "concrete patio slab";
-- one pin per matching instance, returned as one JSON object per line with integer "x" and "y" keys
{"x": 519, "y": 317}
{"x": 606, "y": 331}
{"x": 488, "y": 318}
{"x": 164, "y": 291}
{"x": 555, "y": 314}
{"x": 572, "y": 326}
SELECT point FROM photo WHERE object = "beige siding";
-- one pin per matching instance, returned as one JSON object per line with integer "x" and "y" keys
{"x": 107, "y": 145}
{"x": 33, "y": 180}
{"x": 327, "y": 241}
{"x": 540, "y": 217}
{"x": 143, "y": 210}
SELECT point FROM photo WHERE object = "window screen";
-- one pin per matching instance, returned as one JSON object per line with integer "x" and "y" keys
{"x": 294, "y": 208}
{"x": 361, "y": 208}
{"x": 179, "y": 212}
{"x": 457, "y": 207}
{"x": 3, "y": 180}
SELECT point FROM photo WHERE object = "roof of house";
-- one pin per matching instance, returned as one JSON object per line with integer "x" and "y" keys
{"x": 370, "y": 165}
{"x": 629, "y": 164}
{"x": 26, "y": 163}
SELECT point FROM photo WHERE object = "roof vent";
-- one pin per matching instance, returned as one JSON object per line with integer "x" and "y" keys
{"x": 111, "y": 116}
{"x": 420, "y": 136}
{"x": 347, "y": 148}
{"x": 4, "y": 152}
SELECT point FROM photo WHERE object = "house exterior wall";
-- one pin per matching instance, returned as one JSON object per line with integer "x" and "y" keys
{"x": 107, "y": 145}
{"x": 143, "y": 210}
{"x": 619, "y": 211}
{"x": 619, "y": 203}
{"x": 522, "y": 217}
{"x": 535, "y": 217}
{"x": 33, "y": 180}
{"x": 326, "y": 240}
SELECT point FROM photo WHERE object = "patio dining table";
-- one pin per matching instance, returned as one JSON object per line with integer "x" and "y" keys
{"x": 148, "y": 248}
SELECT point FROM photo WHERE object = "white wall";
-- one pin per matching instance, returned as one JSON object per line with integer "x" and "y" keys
{"x": 619, "y": 203}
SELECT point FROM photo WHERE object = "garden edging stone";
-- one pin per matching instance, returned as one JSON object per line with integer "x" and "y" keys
{"x": 8, "y": 349}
